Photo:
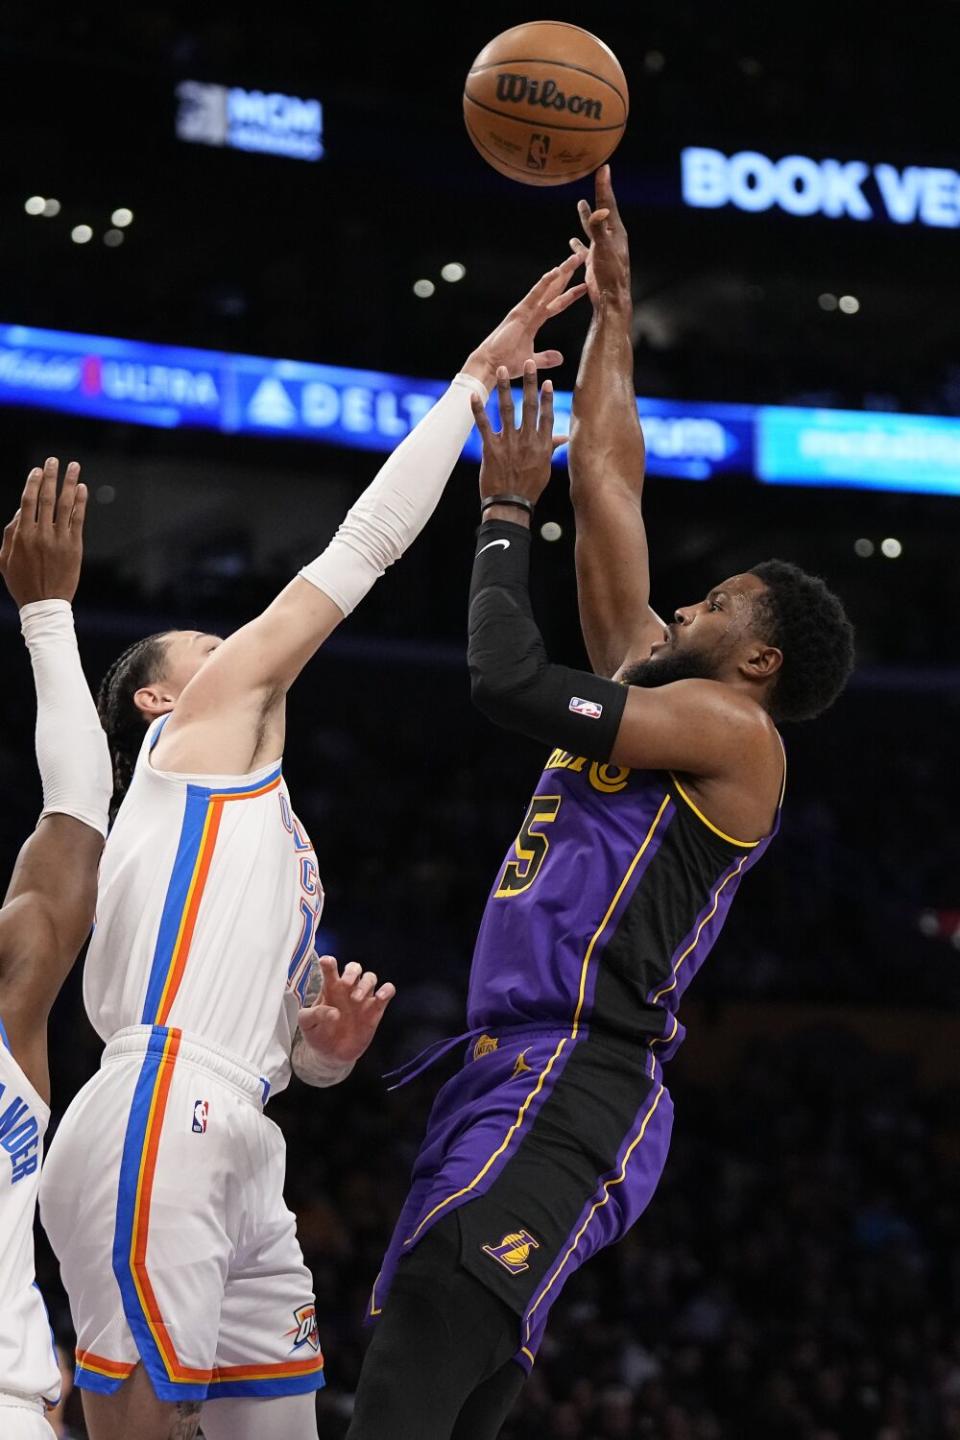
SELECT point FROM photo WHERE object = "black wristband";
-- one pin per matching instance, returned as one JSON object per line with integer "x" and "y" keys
{"x": 520, "y": 501}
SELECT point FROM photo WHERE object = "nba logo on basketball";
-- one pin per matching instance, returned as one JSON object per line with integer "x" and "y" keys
{"x": 538, "y": 151}
{"x": 201, "y": 1109}
{"x": 512, "y": 1252}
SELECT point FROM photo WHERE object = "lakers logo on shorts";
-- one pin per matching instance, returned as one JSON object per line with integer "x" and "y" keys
{"x": 513, "y": 1251}
{"x": 484, "y": 1046}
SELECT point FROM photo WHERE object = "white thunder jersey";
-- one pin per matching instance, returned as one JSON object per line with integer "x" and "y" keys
{"x": 208, "y": 903}
{"x": 27, "y": 1364}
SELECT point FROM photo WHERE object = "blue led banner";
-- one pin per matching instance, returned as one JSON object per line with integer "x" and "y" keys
{"x": 170, "y": 386}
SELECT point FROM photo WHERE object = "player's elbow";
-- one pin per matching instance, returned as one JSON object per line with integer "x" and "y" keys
{"x": 492, "y": 695}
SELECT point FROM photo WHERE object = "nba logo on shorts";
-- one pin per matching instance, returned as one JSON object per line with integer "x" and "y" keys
{"x": 512, "y": 1251}
{"x": 201, "y": 1109}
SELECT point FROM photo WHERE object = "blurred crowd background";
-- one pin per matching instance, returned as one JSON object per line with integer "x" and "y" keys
{"x": 796, "y": 1277}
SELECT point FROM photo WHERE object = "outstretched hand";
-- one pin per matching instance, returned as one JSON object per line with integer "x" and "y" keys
{"x": 43, "y": 544}
{"x": 344, "y": 1020}
{"x": 517, "y": 460}
{"x": 514, "y": 340}
{"x": 608, "y": 258}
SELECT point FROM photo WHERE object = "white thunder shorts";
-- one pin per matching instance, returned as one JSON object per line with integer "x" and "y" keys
{"x": 162, "y": 1196}
{"x": 22, "y": 1419}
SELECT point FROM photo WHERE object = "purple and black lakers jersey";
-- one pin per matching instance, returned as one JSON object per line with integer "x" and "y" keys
{"x": 607, "y": 905}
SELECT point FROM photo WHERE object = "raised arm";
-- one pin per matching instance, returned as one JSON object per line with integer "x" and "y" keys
{"x": 236, "y": 698}
{"x": 49, "y": 905}
{"x": 606, "y": 455}
{"x": 699, "y": 728}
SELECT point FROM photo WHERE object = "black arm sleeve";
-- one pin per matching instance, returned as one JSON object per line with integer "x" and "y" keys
{"x": 512, "y": 681}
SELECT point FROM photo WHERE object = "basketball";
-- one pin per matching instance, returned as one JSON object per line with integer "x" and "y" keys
{"x": 545, "y": 103}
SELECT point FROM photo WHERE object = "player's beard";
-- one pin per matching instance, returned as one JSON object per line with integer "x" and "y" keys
{"x": 665, "y": 669}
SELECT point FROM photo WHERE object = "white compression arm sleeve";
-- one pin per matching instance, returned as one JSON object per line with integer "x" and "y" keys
{"x": 72, "y": 751}
{"x": 392, "y": 511}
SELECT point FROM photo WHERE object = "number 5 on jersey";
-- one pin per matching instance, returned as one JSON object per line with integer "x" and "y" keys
{"x": 530, "y": 847}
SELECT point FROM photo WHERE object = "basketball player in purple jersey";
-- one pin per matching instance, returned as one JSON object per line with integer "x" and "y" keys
{"x": 662, "y": 791}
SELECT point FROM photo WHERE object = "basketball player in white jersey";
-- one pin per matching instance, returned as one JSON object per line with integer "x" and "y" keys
{"x": 163, "y": 1191}
{"x": 46, "y": 915}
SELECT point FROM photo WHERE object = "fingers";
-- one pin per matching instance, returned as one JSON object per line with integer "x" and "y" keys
{"x": 47, "y": 496}
{"x": 359, "y": 984}
{"x": 28, "y": 500}
{"x": 79, "y": 511}
{"x": 571, "y": 264}
{"x": 543, "y": 288}
{"x": 364, "y": 987}
{"x": 603, "y": 191}
{"x": 505, "y": 399}
{"x": 559, "y": 440}
{"x": 529, "y": 417}
{"x": 351, "y": 973}
{"x": 545, "y": 423}
{"x": 562, "y": 275}
{"x": 592, "y": 220}
{"x": 579, "y": 246}
{"x": 68, "y": 494}
{"x": 481, "y": 419}
{"x": 568, "y": 298}
{"x": 9, "y": 535}
{"x": 547, "y": 359}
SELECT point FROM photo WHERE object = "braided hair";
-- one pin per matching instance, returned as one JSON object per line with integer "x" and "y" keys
{"x": 119, "y": 715}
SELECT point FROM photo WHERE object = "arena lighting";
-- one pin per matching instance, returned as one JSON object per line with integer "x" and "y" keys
{"x": 827, "y": 302}
{"x": 864, "y": 548}
{"x": 113, "y": 238}
{"x": 423, "y": 289}
{"x": 34, "y": 205}
{"x": 892, "y": 548}
{"x": 453, "y": 271}
{"x": 80, "y": 234}
{"x": 171, "y": 386}
{"x": 834, "y": 189}
{"x": 51, "y": 208}
{"x": 849, "y": 304}
{"x": 122, "y": 217}
{"x": 551, "y": 530}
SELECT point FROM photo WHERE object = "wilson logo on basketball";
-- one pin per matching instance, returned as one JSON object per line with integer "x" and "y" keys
{"x": 520, "y": 89}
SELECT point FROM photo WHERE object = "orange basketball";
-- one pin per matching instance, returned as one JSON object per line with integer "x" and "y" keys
{"x": 545, "y": 103}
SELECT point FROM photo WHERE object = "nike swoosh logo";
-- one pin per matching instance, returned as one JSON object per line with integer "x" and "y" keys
{"x": 504, "y": 543}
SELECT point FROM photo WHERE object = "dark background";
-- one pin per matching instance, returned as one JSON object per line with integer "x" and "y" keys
{"x": 796, "y": 1275}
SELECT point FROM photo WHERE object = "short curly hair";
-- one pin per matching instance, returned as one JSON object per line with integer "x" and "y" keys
{"x": 799, "y": 614}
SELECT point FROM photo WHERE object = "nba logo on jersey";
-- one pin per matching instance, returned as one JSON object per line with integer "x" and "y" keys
{"x": 589, "y": 708}
{"x": 201, "y": 1109}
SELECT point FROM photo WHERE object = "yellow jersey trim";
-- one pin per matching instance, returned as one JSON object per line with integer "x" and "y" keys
{"x": 563, "y": 1042}
{"x": 740, "y": 844}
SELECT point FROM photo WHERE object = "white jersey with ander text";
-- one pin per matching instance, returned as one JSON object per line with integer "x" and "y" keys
{"x": 27, "y": 1363}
